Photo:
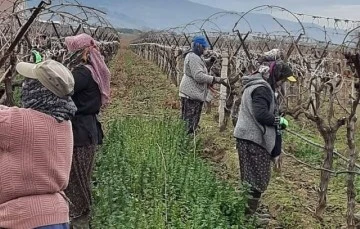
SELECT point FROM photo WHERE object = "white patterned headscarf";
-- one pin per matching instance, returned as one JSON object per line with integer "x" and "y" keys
{"x": 264, "y": 70}
{"x": 264, "y": 62}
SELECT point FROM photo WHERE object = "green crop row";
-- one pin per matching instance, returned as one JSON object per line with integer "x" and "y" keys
{"x": 148, "y": 175}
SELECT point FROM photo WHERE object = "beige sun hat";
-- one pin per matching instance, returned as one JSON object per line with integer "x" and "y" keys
{"x": 52, "y": 74}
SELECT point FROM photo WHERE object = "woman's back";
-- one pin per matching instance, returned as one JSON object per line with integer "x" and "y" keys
{"x": 35, "y": 162}
{"x": 87, "y": 95}
{"x": 87, "y": 98}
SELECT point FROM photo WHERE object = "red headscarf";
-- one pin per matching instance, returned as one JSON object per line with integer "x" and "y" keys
{"x": 99, "y": 71}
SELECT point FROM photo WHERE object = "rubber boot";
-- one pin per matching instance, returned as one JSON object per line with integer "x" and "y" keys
{"x": 253, "y": 204}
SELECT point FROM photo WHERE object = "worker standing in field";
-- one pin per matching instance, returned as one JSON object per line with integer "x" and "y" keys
{"x": 36, "y": 144}
{"x": 91, "y": 92}
{"x": 258, "y": 128}
{"x": 194, "y": 86}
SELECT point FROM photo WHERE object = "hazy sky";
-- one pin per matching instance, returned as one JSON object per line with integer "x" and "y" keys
{"x": 349, "y": 9}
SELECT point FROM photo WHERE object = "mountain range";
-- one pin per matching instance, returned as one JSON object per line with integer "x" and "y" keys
{"x": 161, "y": 14}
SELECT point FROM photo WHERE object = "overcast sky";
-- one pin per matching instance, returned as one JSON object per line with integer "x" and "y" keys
{"x": 349, "y": 9}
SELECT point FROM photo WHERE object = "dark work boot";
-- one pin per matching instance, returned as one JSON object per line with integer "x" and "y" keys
{"x": 261, "y": 219}
{"x": 253, "y": 204}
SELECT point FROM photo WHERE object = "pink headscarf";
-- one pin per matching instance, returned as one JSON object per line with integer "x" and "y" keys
{"x": 99, "y": 71}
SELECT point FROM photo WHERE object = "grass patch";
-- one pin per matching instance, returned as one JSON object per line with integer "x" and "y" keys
{"x": 17, "y": 96}
{"x": 300, "y": 148}
{"x": 149, "y": 175}
{"x": 308, "y": 153}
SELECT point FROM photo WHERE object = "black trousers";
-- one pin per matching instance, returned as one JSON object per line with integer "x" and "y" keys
{"x": 190, "y": 113}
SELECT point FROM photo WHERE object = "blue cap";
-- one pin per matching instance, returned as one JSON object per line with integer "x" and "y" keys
{"x": 201, "y": 40}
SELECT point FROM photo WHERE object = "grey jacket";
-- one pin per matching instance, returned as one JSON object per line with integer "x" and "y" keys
{"x": 247, "y": 127}
{"x": 194, "y": 84}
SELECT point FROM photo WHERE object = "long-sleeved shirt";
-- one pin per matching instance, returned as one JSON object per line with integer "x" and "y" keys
{"x": 87, "y": 98}
{"x": 195, "y": 82}
{"x": 261, "y": 99}
{"x": 35, "y": 162}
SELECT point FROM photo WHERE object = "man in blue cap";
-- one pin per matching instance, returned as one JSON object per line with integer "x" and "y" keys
{"x": 195, "y": 84}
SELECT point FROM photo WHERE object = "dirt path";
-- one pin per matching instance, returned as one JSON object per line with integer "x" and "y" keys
{"x": 139, "y": 88}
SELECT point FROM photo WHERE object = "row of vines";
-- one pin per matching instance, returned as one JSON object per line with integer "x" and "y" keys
{"x": 43, "y": 27}
{"x": 324, "y": 54}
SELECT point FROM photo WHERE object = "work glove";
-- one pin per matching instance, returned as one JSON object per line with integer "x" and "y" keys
{"x": 36, "y": 56}
{"x": 283, "y": 123}
{"x": 222, "y": 81}
{"x": 212, "y": 59}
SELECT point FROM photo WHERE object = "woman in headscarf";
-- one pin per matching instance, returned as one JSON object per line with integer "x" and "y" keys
{"x": 194, "y": 86}
{"x": 36, "y": 144}
{"x": 92, "y": 91}
{"x": 258, "y": 128}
